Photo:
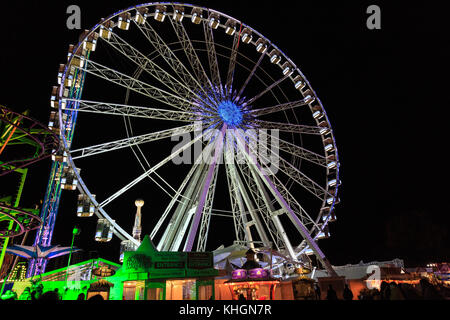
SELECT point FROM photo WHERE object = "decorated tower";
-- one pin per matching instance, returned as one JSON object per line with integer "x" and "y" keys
{"x": 137, "y": 220}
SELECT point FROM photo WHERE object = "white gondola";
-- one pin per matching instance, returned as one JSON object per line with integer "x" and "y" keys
{"x": 287, "y": 68}
{"x": 332, "y": 183}
{"x": 196, "y": 15}
{"x": 317, "y": 111}
{"x": 329, "y": 147}
{"x": 332, "y": 165}
{"x": 141, "y": 15}
{"x": 91, "y": 42}
{"x": 275, "y": 57}
{"x": 299, "y": 84}
{"x": 69, "y": 76}
{"x": 85, "y": 208}
{"x": 330, "y": 217}
{"x": 324, "y": 128}
{"x": 160, "y": 13}
{"x": 124, "y": 21}
{"x": 54, "y": 103}
{"x": 104, "y": 231}
{"x": 230, "y": 27}
{"x": 106, "y": 30}
{"x": 60, "y": 156}
{"x": 261, "y": 46}
{"x": 77, "y": 59}
{"x": 178, "y": 13}
{"x": 323, "y": 234}
{"x": 246, "y": 35}
{"x": 317, "y": 115}
{"x": 214, "y": 21}
{"x": 69, "y": 180}
{"x": 53, "y": 123}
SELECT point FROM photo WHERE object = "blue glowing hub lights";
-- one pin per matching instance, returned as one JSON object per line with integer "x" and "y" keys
{"x": 230, "y": 113}
{"x": 221, "y": 106}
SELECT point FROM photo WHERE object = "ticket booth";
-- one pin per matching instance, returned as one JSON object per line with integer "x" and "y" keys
{"x": 149, "y": 274}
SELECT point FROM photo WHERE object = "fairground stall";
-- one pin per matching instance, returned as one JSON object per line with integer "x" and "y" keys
{"x": 148, "y": 274}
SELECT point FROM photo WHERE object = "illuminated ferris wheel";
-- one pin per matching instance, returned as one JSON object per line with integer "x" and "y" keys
{"x": 161, "y": 71}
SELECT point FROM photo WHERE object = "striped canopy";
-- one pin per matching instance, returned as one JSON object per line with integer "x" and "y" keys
{"x": 36, "y": 252}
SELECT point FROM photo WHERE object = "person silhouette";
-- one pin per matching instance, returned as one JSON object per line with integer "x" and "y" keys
{"x": 331, "y": 294}
{"x": 318, "y": 292}
{"x": 348, "y": 294}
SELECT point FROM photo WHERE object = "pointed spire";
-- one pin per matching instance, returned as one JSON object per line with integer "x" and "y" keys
{"x": 137, "y": 220}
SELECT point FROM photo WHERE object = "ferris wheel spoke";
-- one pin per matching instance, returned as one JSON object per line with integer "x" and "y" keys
{"x": 240, "y": 228}
{"x": 300, "y": 152}
{"x": 175, "y": 200}
{"x": 265, "y": 206}
{"x": 253, "y": 163}
{"x": 212, "y": 57}
{"x": 255, "y": 67}
{"x": 290, "y": 170}
{"x": 293, "y": 203}
{"x": 288, "y": 127}
{"x": 280, "y": 107}
{"x": 191, "y": 54}
{"x": 206, "y": 214}
{"x": 232, "y": 63}
{"x": 128, "y": 142}
{"x": 262, "y": 205}
{"x": 272, "y": 214}
{"x": 150, "y": 67}
{"x": 267, "y": 89}
{"x": 117, "y": 109}
{"x": 184, "y": 212}
{"x": 150, "y": 171}
{"x": 243, "y": 200}
{"x": 206, "y": 187}
{"x": 241, "y": 225}
{"x": 169, "y": 56}
{"x": 138, "y": 86}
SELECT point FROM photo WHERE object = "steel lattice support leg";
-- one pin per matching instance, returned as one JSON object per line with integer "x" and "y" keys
{"x": 272, "y": 188}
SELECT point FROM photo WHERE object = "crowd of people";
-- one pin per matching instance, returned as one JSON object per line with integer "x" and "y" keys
{"x": 36, "y": 292}
{"x": 424, "y": 290}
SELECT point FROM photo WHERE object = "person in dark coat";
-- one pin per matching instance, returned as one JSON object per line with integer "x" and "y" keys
{"x": 331, "y": 294}
{"x": 385, "y": 291}
{"x": 250, "y": 263}
{"x": 49, "y": 295}
{"x": 348, "y": 294}
{"x": 318, "y": 292}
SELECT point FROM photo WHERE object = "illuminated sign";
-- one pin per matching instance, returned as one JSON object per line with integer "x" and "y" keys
{"x": 153, "y": 264}
{"x": 169, "y": 265}
{"x": 239, "y": 274}
{"x": 257, "y": 273}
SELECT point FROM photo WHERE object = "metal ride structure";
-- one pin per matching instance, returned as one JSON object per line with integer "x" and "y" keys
{"x": 196, "y": 71}
{"x": 61, "y": 176}
{"x": 23, "y": 141}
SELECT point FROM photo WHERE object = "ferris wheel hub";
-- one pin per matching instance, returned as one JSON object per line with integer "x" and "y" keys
{"x": 230, "y": 113}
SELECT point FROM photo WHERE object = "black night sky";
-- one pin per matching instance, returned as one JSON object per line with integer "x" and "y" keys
{"x": 381, "y": 90}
